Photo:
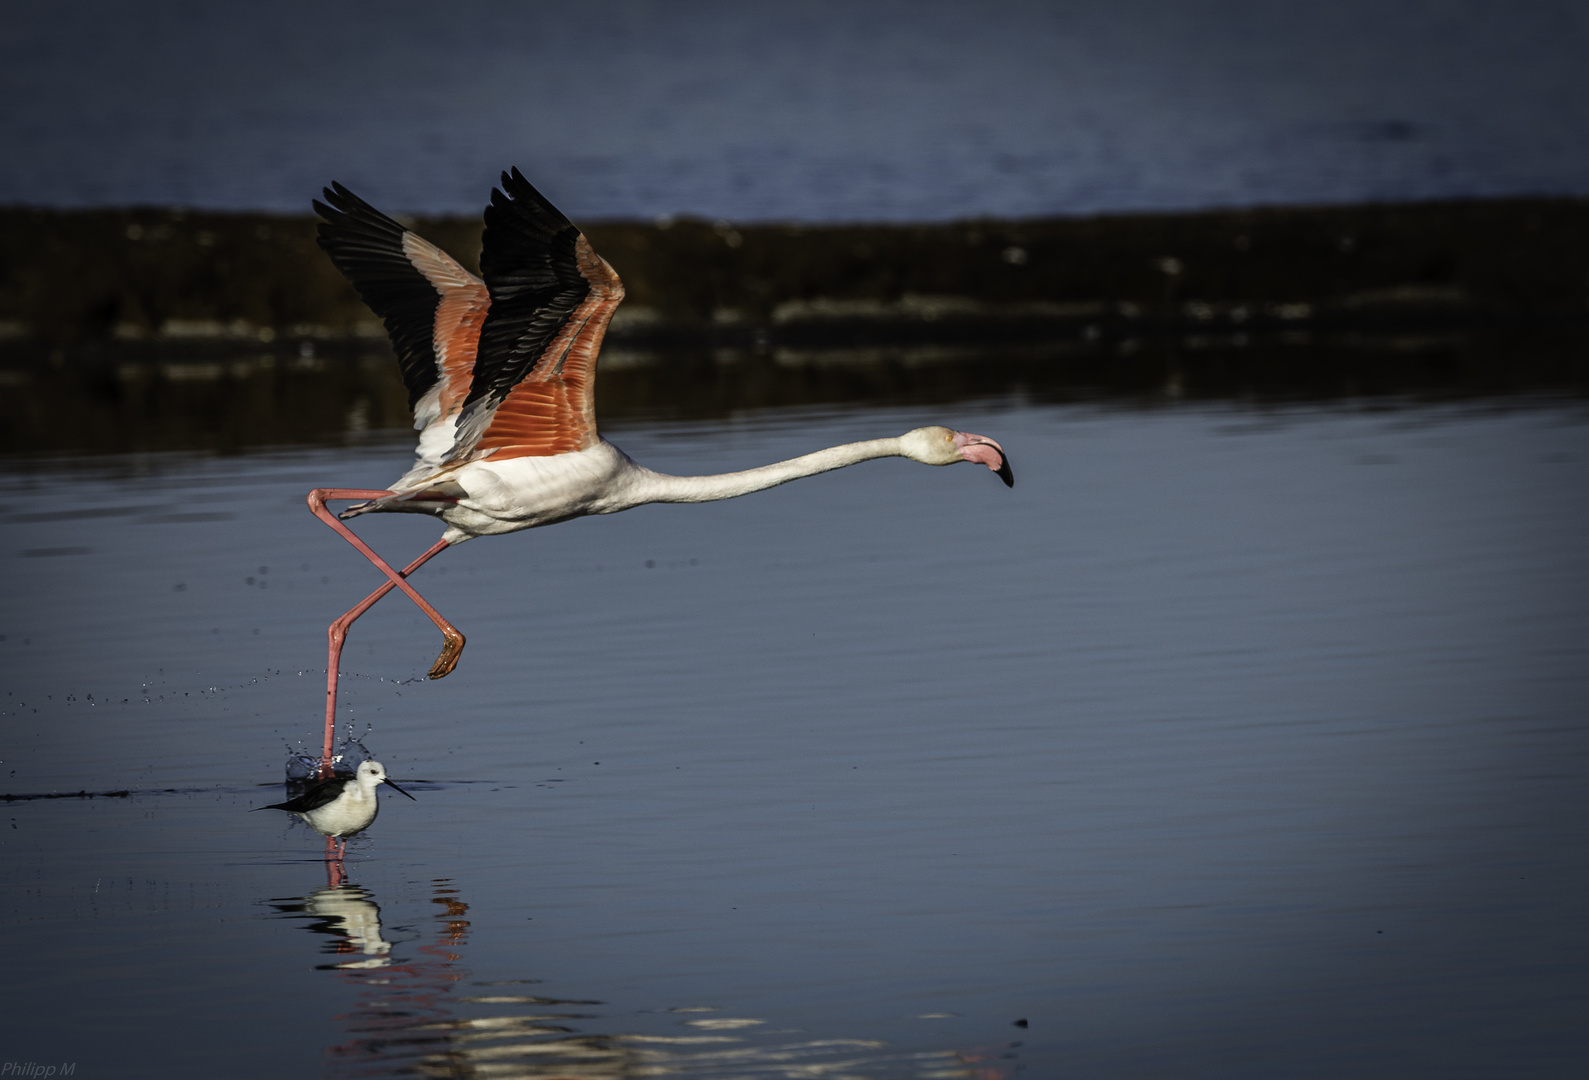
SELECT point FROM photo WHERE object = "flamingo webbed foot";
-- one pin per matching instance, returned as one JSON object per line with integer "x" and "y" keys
{"x": 450, "y": 652}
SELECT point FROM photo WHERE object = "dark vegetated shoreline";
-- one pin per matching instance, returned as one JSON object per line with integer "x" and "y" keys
{"x": 178, "y": 330}
{"x": 69, "y": 276}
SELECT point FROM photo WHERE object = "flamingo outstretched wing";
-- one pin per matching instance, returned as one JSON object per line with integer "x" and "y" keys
{"x": 432, "y": 307}
{"x": 533, "y": 387}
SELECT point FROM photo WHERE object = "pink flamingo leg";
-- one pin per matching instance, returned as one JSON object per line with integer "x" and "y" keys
{"x": 454, "y": 644}
{"x": 337, "y": 635}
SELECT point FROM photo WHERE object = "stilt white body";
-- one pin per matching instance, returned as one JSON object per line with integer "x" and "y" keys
{"x": 351, "y": 812}
{"x": 341, "y": 807}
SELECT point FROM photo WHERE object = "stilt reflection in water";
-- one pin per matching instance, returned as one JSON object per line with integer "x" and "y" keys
{"x": 408, "y": 1018}
{"x": 350, "y": 917}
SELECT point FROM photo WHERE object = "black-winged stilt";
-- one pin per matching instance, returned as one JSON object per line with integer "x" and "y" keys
{"x": 343, "y": 806}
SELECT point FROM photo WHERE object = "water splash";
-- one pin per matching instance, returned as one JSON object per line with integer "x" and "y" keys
{"x": 303, "y": 764}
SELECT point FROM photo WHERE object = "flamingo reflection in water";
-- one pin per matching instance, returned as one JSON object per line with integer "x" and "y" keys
{"x": 406, "y": 1016}
{"x": 500, "y": 372}
{"x": 409, "y": 1017}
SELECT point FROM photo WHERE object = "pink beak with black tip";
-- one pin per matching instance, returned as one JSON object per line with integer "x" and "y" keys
{"x": 984, "y": 451}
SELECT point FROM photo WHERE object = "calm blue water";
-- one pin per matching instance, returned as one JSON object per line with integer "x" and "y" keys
{"x": 822, "y": 110}
{"x": 1231, "y": 742}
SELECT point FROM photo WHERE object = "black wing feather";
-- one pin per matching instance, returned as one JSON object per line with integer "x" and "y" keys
{"x": 527, "y": 260}
{"x": 367, "y": 246}
{"x": 314, "y": 798}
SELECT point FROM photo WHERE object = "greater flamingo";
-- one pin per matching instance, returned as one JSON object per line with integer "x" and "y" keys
{"x": 501, "y": 377}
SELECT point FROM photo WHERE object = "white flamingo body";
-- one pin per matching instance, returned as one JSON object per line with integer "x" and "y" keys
{"x": 500, "y": 371}
{"x": 524, "y": 493}
{"x": 490, "y": 498}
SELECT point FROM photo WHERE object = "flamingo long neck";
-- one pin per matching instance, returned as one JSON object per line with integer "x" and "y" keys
{"x": 660, "y": 487}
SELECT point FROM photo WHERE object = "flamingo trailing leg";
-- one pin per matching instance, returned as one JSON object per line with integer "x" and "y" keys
{"x": 500, "y": 371}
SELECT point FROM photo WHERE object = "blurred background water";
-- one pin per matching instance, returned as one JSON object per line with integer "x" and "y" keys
{"x": 816, "y": 111}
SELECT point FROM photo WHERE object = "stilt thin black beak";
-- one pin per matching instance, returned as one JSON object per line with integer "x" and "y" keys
{"x": 393, "y": 785}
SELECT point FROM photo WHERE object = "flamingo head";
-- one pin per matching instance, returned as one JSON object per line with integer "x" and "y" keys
{"x": 943, "y": 446}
